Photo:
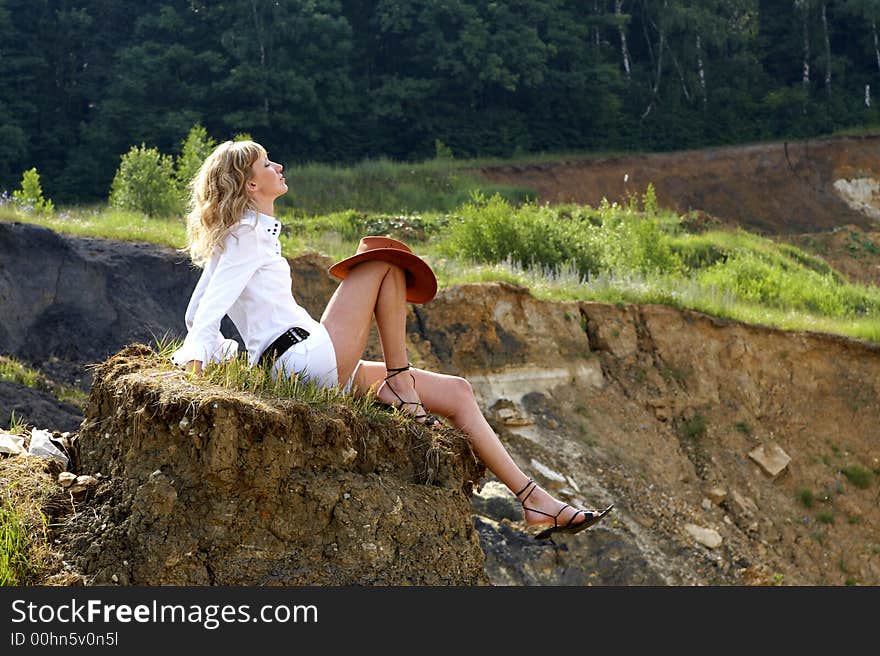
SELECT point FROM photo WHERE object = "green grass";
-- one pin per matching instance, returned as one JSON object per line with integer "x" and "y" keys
{"x": 806, "y": 498}
{"x": 743, "y": 427}
{"x": 107, "y": 223}
{"x": 15, "y": 567}
{"x": 382, "y": 185}
{"x": 858, "y": 476}
{"x": 13, "y": 371}
{"x": 825, "y": 517}
{"x": 694, "y": 428}
{"x": 236, "y": 375}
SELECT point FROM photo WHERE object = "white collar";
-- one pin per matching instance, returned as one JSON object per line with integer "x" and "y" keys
{"x": 252, "y": 217}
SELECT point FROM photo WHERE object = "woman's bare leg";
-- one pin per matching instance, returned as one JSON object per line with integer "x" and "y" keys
{"x": 372, "y": 288}
{"x": 453, "y": 398}
{"x": 379, "y": 289}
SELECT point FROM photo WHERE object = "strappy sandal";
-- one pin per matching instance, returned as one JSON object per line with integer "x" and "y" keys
{"x": 592, "y": 517}
{"x": 429, "y": 419}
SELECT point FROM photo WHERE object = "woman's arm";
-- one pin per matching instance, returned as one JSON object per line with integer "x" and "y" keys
{"x": 194, "y": 366}
{"x": 234, "y": 269}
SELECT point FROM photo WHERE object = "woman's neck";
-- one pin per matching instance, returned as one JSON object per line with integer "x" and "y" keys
{"x": 266, "y": 207}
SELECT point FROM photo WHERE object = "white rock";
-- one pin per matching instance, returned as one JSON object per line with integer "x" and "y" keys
{"x": 42, "y": 447}
{"x": 717, "y": 495}
{"x": 83, "y": 483}
{"x": 66, "y": 479}
{"x": 349, "y": 455}
{"x": 12, "y": 444}
{"x": 745, "y": 504}
{"x": 771, "y": 458}
{"x": 546, "y": 472}
{"x": 706, "y": 536}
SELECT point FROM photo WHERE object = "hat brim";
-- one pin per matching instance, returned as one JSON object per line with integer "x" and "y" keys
{"x": 421, "y": 284}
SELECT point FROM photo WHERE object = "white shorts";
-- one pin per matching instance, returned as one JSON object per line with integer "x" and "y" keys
{"x": 314, "y": 359}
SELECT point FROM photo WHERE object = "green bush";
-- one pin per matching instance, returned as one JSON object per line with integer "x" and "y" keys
{"x": 194, "y": 150}
{"x": 30, "y": 197}
{"x": 609, "y": 238}
{"x": 145, "y": 182}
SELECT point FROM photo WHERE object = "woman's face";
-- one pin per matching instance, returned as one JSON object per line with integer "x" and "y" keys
{"x": 266, "y": 180}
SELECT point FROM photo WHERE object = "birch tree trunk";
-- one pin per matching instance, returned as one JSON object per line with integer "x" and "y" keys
{"x": 624, "y": 50}
{"x": 827, "y": 49}
{"x": 701, "y": 71}
{"x": 659, "y": 63}
{"x": 806, "y": 27}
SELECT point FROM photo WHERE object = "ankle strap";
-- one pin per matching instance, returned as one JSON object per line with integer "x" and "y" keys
{"x": 531, "y": 482}
{"x": 391, "y": 372}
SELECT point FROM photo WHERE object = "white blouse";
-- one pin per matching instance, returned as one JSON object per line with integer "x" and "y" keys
{"x": 249, "y": 280}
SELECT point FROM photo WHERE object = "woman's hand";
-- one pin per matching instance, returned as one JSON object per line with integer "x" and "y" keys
{"x": 194, "y": 366}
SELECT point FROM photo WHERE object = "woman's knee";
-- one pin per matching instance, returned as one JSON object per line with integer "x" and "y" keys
{"x": 461, "y": 389}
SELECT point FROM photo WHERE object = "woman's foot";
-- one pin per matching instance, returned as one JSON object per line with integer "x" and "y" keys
{"x": 544, "y": 510}
{"x": 403, "y": 396}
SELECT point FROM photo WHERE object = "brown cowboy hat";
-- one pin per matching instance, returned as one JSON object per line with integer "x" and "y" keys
{"x": 421, "y": 284}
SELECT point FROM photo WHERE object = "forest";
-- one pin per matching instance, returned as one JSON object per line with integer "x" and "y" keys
{"x": 346, "y": 80}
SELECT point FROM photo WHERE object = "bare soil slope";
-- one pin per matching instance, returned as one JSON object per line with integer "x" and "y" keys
{"x": 779, "y": 188}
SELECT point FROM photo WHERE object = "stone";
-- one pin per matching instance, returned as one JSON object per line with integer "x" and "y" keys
{"x": 717, "y": 495}
{"x": 66, "y": 479}
{"x": 745, "y": 504}
{"x": 546, "y": 472}
{"x": 771, "y": 458}
{"x": 708, "y": 537}
{"x": 495, "y": 501}
{"x": 706, "y": 504}
{"x": 83, "y": 483}
{"x": 11, "y": 444}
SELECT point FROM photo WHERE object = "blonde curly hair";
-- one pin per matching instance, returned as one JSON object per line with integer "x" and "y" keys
{"x": 218, "y": 197}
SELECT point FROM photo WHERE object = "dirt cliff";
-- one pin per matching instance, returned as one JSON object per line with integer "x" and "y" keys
{"x": 660, "y": 412}
{"x": 203, "y": 486}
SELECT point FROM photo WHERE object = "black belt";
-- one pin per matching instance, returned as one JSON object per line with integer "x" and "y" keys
{"x": 288, "y": 338}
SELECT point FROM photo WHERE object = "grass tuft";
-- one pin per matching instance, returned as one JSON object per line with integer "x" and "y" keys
{"x": 858, "y": 476}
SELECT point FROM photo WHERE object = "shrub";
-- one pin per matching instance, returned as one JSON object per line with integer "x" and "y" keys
{"x": 609, "y": 238}
{"x": 145, "y": 183}
{"x": 30, "y": 196}
{"x": 195, "y": 148}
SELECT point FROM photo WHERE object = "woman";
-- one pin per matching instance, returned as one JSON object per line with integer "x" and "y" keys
{"x": 233, "y": 234}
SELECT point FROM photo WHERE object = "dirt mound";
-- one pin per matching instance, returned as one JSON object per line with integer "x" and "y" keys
{"x": 211, "y": 487}
{"x": 783, "y": 188}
